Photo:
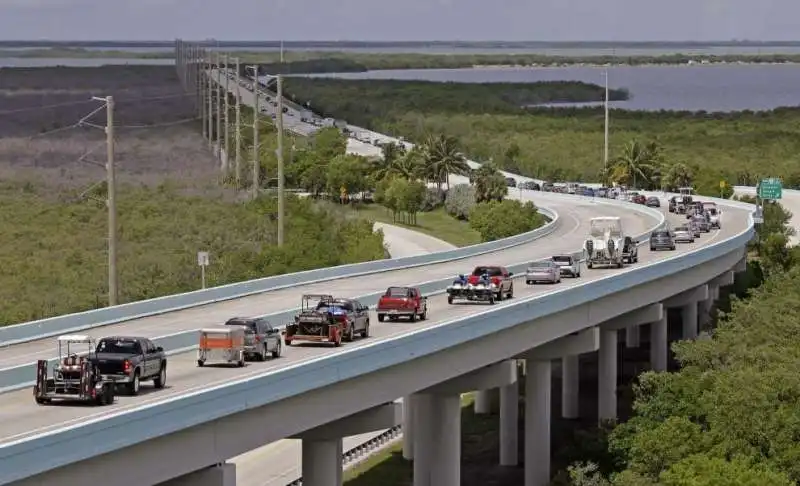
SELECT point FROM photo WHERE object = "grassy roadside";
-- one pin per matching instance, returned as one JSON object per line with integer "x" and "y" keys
{"x": 436, "y": 223}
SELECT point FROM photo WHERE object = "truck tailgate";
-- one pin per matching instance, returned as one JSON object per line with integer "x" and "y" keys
{"x": 394, "y": 303}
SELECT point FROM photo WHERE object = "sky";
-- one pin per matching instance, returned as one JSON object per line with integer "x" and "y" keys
{"x": 406, "y": 20}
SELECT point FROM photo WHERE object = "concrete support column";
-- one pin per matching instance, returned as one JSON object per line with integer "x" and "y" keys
{"x": 632, "y": 337}
{"x": 423, "y": 439}
{"x": 486, "y": 401}
{"x": 219, "y": 475}
{"x": 509, "y": 424}
{"x": 537, "y": 423}
{"x": 408, "y": 427}
{"x": 658, "y": 344}
{"x": 446, "y": 417}
{"x": 322, "y": 462}
{"x": 570, "y": 387}
{"x": 704, "y": 311}
{"x": 689, "y": 320}
{"x": 715, "y": 293}
{"x": 607, "y": 376}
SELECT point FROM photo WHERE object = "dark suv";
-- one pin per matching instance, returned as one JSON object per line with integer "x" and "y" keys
{"x": 661, "y": 240}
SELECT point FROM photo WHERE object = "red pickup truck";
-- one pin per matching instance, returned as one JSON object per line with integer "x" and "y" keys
{"x": 402, "y": 301}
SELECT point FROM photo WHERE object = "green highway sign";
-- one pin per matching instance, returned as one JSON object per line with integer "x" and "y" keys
{"x": 770, "y": 189}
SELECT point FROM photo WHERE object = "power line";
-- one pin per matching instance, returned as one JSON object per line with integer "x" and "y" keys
{"x": 76, "y": 103}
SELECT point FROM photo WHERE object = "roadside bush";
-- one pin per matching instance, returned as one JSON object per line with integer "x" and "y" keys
{"x": 434, "y": 198}
{"x": 459, "y": 201}
{"x": 53, "y": 252}
{"x": 495, "y": 220}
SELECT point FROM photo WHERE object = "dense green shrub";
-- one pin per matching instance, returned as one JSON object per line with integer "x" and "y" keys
{"x": 434, "y": 198}
{"x": 460, "y": 201}
{"x": 501, "y": 219}
{"x": 53, "y": 252}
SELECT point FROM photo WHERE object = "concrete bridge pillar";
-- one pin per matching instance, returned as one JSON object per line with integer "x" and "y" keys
{"x": 322, "y": 446}
{"x": 538, "y": 390}
{"x": 509, "y": 424}
{"x": 486, "y": 401}
{"x": 607, "y": 359}
{"x": 570, "y": 386}
{"x": 688, "y": 302}
{"x": 538, "y": 383}
{"x": 322, "y": 462}
{"x": 658, "y": 344}
{"x": 219, "y": 475}
{"x": 408, "y": 427}
{"x": 607, "y": 376}
{"x": 437, "y": 422}
{"x": 632, "y": 337}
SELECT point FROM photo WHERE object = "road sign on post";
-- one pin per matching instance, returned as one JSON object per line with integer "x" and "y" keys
{"x": 770, "y": 189}
{"x": 202, "y": 262}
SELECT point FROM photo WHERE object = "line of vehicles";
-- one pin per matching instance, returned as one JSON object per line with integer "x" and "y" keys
{"x": 93, "y": 371}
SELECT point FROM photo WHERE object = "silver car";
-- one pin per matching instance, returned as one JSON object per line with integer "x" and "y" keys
{"x": 545, "y": 271}
{"x": 702, "y": 223}
{"x": 683, "y": 234}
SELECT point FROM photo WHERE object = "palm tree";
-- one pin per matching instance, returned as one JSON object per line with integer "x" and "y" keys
{"x": 678, "y": 175}
{"x": 635, "y": 162}
{"x": 440, "y": 157}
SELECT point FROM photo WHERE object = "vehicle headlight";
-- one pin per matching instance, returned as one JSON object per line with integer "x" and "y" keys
{"x": 494, "y": 286}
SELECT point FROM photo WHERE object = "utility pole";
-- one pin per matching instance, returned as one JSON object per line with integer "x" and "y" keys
{"x": 280, "y": 158}
{"x": 227, "y": 122}
{"x": 256, "y": 164}
{"x": 605, "y": 136}
{"x": 219, "y": 108}
{"x": 203, "y": 87}
{"x": 111, "y": 203}
{"x": 238, "y": 128}
{"x": 207, "y": 75}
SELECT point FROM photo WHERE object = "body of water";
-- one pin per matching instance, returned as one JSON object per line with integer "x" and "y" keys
{"x": 77, "y": 62}
{"x": 544, "y": 51}
{"x": 722, "y": 87}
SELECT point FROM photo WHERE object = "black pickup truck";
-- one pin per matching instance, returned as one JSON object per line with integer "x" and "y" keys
{"x": 128, "y": 361}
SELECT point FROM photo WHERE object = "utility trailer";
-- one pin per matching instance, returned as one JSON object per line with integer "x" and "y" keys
{"x": 75, "y": 377}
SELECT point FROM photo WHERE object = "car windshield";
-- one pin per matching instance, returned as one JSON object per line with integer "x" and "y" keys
{"x": 121, "y": 346}
{"x": 539, "y": 265}
{"x": 682, "y": 228}
{"x": 247, "y": 323}
{"x": 562, "y": 259}
{"x": 661, "y": 234}
{"x": 397, "y": 292}
{"x": 336, "y": 304}
{"x": 492, "y": 271}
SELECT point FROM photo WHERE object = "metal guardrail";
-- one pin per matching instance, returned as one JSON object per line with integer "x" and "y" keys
{"x": 19, "y": 333}
{"x": 21, "y": 376}
{"x": 22, "y": 458}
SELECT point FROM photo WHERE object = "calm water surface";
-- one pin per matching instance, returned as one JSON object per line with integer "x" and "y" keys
{"x": 728, "y": 87}
{"x": 699, "y": 87}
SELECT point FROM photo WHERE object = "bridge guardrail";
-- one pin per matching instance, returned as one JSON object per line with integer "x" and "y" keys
{"x": 22, "y": 458}
{"x": 21, "y": 376}
{"x": 19, "y": 333}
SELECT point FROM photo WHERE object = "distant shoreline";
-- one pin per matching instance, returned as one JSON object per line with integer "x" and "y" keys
{"x": 304, "y": 62}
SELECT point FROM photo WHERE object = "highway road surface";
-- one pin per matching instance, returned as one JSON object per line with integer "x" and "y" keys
{"x": 569, "y": 235}
{"x": 22, "y": 418}
{"x": 403, "y": 242}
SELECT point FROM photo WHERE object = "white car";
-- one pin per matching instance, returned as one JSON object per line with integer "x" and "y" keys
{"x": 606, "y": 242}
{"x": 713, "y": 218}
{"x": 683, "y": 234}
